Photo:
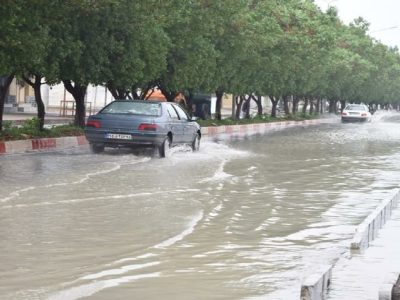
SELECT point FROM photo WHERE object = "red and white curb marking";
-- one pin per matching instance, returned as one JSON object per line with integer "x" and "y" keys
{"x": 14, "y": 147}
{"x": 258, "y": 127}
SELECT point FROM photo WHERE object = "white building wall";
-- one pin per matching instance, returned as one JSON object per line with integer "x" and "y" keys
{"x": 97, "y": 96}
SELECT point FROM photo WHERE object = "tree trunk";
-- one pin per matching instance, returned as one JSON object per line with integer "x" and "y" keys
{"x": 321, "y": 107}
{"x": 258, "y": 101}
{"x": 218, "y": 104}
{"x": 342, "y": 105}
{"x": 144, "y": 93}
{"x": 305, "y": 106}
{"x": 39, "y": 101}
{"x": 317, "y": 106}
{"x": 247, "y": 107}
{"x": 78, "y": 91}
{"x": 233, "y": 106}
{"x": 311, "y": 107}
{"x": 5, "y": 82}
{"x": 332, "y": 104}
{"x": 36, "y": 84}
{"x": 295, "y": 107}
{"x": 274, "y": 102}
{"x": 170, "y": 96}
{"x": 286, "y": 105}
{"x": 239, "y": 102}
{"x": 135, "y": 95}
{"x": 117, "y": 93}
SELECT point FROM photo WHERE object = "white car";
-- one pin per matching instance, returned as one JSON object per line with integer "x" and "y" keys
{"x": 356, "y": 113}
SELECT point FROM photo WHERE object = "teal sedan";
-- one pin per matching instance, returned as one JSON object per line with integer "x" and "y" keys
{"x": 141, "y": 123}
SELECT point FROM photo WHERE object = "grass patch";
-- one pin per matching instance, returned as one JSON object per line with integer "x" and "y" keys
{"x": 30, "y": 130}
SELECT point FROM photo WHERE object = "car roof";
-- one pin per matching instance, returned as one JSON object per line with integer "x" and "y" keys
{"x": 137, "y": 100}
{"x": 355, "y": 105}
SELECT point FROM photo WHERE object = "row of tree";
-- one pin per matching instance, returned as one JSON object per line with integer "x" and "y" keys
{"x": 290, "y": 51}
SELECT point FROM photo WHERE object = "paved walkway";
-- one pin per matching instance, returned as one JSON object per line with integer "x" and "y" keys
{"x": 360, "y": 276}
{"x": 51, "y": 118}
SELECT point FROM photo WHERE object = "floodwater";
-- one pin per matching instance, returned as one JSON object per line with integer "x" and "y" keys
{"x": 243, "y": 218}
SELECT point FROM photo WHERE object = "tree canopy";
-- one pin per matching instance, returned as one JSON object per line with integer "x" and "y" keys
{"x": 281, "y": 49}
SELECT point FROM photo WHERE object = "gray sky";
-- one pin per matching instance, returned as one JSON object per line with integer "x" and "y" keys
{"x": 383, "y": 16}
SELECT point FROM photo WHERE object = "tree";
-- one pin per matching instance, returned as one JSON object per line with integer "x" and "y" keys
{"x": 18, "y": 43}
{"x": 137, "y": 46}
{"x": 5, "y": 82}
{"x": 191, "y": 57}
{"x": 86, "y": 52}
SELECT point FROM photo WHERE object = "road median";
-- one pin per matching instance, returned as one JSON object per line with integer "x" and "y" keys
{"x": 48, "y": 144}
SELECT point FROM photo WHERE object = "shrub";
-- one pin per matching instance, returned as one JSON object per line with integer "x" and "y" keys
{"x": 30, "y": 129}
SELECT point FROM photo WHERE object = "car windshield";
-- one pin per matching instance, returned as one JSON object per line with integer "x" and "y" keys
{"x": 356, "y": 107}
{"x": 132, "y": 107}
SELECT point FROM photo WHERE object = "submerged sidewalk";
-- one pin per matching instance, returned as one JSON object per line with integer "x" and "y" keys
{"x": 359, "y": 276}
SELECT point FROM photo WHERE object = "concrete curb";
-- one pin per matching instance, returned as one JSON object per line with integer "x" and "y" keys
{"x": 367, "y": 231}
{"x": 44, "y": 144}
{"x": 315, "y": 287}
{"x": 258, "y": 127}
{"x": 22, "y": 146}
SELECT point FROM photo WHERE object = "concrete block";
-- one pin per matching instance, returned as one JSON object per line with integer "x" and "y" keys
{"x": 387, "y": 289}
{"x": 368, "y": 230}
{"x": 82, "y": 140}
{"x": 315, "y": 286}
{"x": 18, "y": 146}
{"x": 67, "y": 142}
{"x": 44, "y": 144}
{"x": 2, "y": 148}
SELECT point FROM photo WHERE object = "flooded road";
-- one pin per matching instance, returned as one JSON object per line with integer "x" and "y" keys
{"x": 244, "y": 218}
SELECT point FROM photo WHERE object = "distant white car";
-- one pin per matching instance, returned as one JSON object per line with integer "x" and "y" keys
{"x": 356, "y": 113}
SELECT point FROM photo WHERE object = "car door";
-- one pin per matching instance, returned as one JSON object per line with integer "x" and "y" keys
{"x": 176, "y": 124}
{"x": 188, "y": 128}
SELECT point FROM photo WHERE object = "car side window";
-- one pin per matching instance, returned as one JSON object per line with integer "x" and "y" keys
{"x": 172, "y": 113}
{"x": 182, "y": 114}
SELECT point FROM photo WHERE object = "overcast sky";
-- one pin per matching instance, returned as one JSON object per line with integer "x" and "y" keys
{"x": 383, "y": 16}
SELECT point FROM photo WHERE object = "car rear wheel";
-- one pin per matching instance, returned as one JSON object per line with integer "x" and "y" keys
{"x": 165, "y": 148}
{"x": 95, "y": 148}
{"x": 196, "y": 143}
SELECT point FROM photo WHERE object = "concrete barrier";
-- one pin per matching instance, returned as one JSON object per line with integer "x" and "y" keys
{"x": 386, "y": 290}
{"x": 367, "y": 231}
{"x": 315, "y": 286}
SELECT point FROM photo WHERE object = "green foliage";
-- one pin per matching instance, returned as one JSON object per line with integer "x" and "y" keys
{"x": 254, "y": 120}
{"x": 30, "y": 129}
{"x": 243, "y": 47}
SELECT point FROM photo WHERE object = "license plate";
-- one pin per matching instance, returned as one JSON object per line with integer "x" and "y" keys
{"x": 117, "y": 136}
